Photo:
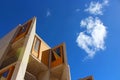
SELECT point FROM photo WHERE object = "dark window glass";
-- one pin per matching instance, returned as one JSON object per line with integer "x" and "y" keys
{"x": 24, "y": 28}
{"x": 58, "y": 51}
{"x": 5, "y": 74}
{"x": 37, "y": 44}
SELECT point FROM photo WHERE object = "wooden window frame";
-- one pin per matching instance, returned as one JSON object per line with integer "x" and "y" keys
{"x": 34, "y": 52}
{"x": 9, "y": 75}
{"x": 21, "y": 33}
{"x": 59, "y": 59}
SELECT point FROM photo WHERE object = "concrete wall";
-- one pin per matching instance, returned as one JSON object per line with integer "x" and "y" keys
{"x": 22, "y": 62}
{"x": 5, "y": 44}
{"x": 44, "y": 75}
{"x": 66, "y": 73}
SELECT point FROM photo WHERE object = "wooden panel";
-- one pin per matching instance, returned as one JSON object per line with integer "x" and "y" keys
{"x": 45, "y": 57}
{"x": 56, "y": 62}
{"x": 43, "y": 48}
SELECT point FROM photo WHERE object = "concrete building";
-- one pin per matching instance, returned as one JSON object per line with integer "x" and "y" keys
{"x": 87, "y": 78}
{"x": 25, "y": 56}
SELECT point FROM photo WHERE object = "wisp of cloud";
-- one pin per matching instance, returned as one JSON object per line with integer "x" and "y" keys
{"x": 48, "y": 13}
{"x": 96, "y": 8}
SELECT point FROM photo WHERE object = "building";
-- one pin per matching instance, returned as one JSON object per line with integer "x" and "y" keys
{"x": 25, "y": 56}
{"x": 87, "y": 78}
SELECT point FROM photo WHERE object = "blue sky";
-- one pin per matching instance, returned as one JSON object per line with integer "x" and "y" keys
{"x": 90, "y": 29}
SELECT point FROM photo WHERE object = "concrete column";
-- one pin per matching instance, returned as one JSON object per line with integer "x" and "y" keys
{"x": 22, "y": 62}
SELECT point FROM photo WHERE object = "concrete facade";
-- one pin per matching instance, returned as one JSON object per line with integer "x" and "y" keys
{"x": 25, "y": 56}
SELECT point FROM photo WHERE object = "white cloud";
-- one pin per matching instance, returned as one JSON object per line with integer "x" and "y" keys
{"x": 48, "y": 13}
{"x": 96, "y": 8}
{"x": 92, "y": 39}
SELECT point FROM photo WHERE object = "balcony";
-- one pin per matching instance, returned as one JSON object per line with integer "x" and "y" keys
{"x": 35, "y": 66}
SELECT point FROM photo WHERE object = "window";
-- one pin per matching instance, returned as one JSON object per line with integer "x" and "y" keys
{"x": 56, "y": 53}
{"x": 4, "y": 75}
{"x": 7, "y": 74}
{"x": 57, "y": 50}
{"x": 23, "y": 30}
{"x": 37, "y": 45}
{"x": 57, "y": 57}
